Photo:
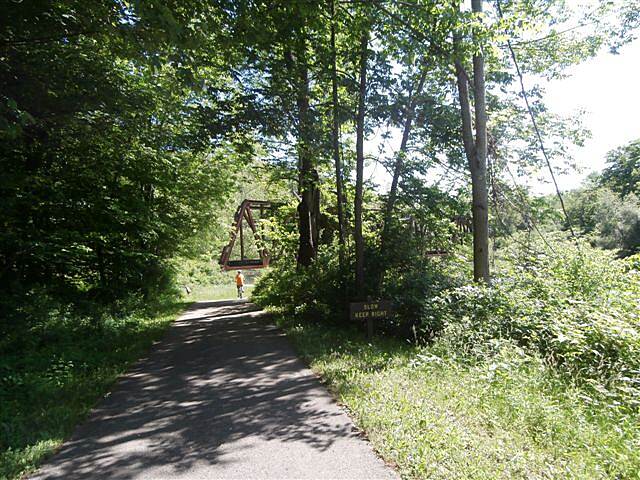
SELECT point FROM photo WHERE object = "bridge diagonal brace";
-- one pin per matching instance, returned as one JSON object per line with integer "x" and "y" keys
{"x": 243, "y": 213}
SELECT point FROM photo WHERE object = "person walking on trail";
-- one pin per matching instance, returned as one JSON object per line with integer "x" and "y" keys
{"x": 240, "y": 283}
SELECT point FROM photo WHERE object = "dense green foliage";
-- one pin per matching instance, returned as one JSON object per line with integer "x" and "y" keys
{"x": 112, "y": 157}
{"x": 622, "y": 174}
{"x": 574, "y": 307}
{"x": 124, "y": 123}
{"x": 605, "y": 218}
{"x": 535, "y": 376}
{"x": 404, "y": 271}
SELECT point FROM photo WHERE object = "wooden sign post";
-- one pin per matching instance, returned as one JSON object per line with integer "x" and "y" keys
{"x": 369, "y": 311}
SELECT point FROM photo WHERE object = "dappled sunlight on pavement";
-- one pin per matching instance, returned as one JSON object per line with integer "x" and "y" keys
{"x": 221, "y": 396}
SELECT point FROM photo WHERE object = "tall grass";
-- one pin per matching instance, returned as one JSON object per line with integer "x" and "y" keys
{"x": 436, "y": 415}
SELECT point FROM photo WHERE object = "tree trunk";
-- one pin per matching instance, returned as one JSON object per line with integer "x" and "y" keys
{"x": 359, "y": 240}
{"x": 307, "y": 178}
{"x": 465, "y": 112}
{"x": 476, "y": 152}
{"x": 314, "y": 211}
{"x": 399, "y": 164}
{"x": 479, "y": 170}
{"x": 102, "y": 270}
{"x": 336, "y": 138}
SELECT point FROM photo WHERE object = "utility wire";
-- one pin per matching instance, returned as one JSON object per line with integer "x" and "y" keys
{"x": 527, "y": 217}
{"x": 538, "y": 135}
{"x": 423, "y": 37}
{"x": 524, "y": 200}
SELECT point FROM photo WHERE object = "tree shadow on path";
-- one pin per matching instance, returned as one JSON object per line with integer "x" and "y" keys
{"x": 222, "y": 375}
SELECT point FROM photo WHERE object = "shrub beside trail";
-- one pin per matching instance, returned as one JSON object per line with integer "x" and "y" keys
{"x": 576, "y": 307}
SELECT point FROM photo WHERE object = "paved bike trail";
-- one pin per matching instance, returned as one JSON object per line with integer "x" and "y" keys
{"x": 222, "y": 396}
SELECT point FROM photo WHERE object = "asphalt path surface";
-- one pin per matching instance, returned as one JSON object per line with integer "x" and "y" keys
{"x": 222, "y": 396}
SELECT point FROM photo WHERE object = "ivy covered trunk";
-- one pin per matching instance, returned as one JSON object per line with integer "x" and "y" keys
{"x": 308, "y": 208}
